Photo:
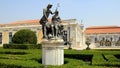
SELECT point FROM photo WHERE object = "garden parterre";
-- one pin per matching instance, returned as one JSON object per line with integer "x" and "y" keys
{"x": 32, "y": 58}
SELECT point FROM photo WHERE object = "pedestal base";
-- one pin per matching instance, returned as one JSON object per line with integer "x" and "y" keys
{"x": 52, "y": 52}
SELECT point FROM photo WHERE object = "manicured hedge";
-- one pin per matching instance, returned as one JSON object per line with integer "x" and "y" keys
{"x": 5, "y": 63}
{"x": 117, "y": 56}
{"x": 98, "y": 60}
{"x": 112, "y": 58}
{"x": 20, "y": 58}
{"x": 24, "y": 36}
{"x": 32, "y": 58}
{"x": 101, "y": 60}
{"x": 22, "y": 46}
{"x": 84, "y": 57}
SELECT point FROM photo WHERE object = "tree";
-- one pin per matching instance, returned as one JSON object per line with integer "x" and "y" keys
{"x": 24, "y": 36}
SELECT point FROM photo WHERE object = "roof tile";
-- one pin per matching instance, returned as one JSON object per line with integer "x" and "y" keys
{"x": 102, "y": 29}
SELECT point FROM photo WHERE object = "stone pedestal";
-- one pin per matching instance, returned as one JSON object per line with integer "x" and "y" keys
{"x": 52, "y": 52}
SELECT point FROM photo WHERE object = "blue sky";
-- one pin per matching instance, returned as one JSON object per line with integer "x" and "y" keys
{"x": 92, "y": 12}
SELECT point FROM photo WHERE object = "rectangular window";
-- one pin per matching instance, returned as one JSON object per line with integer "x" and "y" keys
{"x": 10, "y": 37}
{"x": 0, "y": 38}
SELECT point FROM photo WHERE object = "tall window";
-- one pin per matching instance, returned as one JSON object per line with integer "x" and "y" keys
{"x": 96, "y": 39}
{"x": 115, "y": 38}
{"x": 0, "y": 38}
{"x": 10, "y": 37}
{"x": 92, "y": 39}
{"x": 100, "y": 38}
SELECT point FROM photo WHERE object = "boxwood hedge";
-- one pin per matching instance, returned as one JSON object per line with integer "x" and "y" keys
{"x": 32, "y": 58}
{"x": 22, "y": 46}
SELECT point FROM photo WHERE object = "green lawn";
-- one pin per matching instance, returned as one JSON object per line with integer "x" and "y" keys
{"x": 32, "y": 58}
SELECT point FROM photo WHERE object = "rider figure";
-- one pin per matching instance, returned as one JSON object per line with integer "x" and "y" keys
{"x": 55, "y": 23}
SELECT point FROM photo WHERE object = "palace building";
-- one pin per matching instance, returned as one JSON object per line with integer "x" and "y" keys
{"x": 104, "y": 36}
{"x": 100, "y": 36}
{"x": 74, "y": 31}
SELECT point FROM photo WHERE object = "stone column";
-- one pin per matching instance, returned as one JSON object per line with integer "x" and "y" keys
{"x": 52, "y": 52}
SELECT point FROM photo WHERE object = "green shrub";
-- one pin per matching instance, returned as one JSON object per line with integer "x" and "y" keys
{"x": 98, "y": 60}
{"x": 5, "y": 63}
{"x": 22, "y": 46}
{"x": 24, "y": 36}
{"x": 84, "y": 57}
{"x": 38, "y": 46}
{"x": 101, "y": 60}
{"x": 111, "y": 58}
{"x": 117, "y": 56}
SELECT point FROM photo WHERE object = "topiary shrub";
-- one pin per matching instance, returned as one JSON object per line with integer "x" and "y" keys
{"x": 22, "y": 46}
{"x": 24, "y": 36}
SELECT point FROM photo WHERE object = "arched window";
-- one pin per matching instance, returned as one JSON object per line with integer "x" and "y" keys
{"x": 111, "y": 39}
{"x": 115, "y": 38}
{"x": 119, "y": 38}
{"x": 0, "y": 38}
{"x": 91, "y": 38}
{"x": 96, "y": 39}
{"x": 10, "y": 37}
{"x": 108, "y": 37}
{"x": 100, "y": 38}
